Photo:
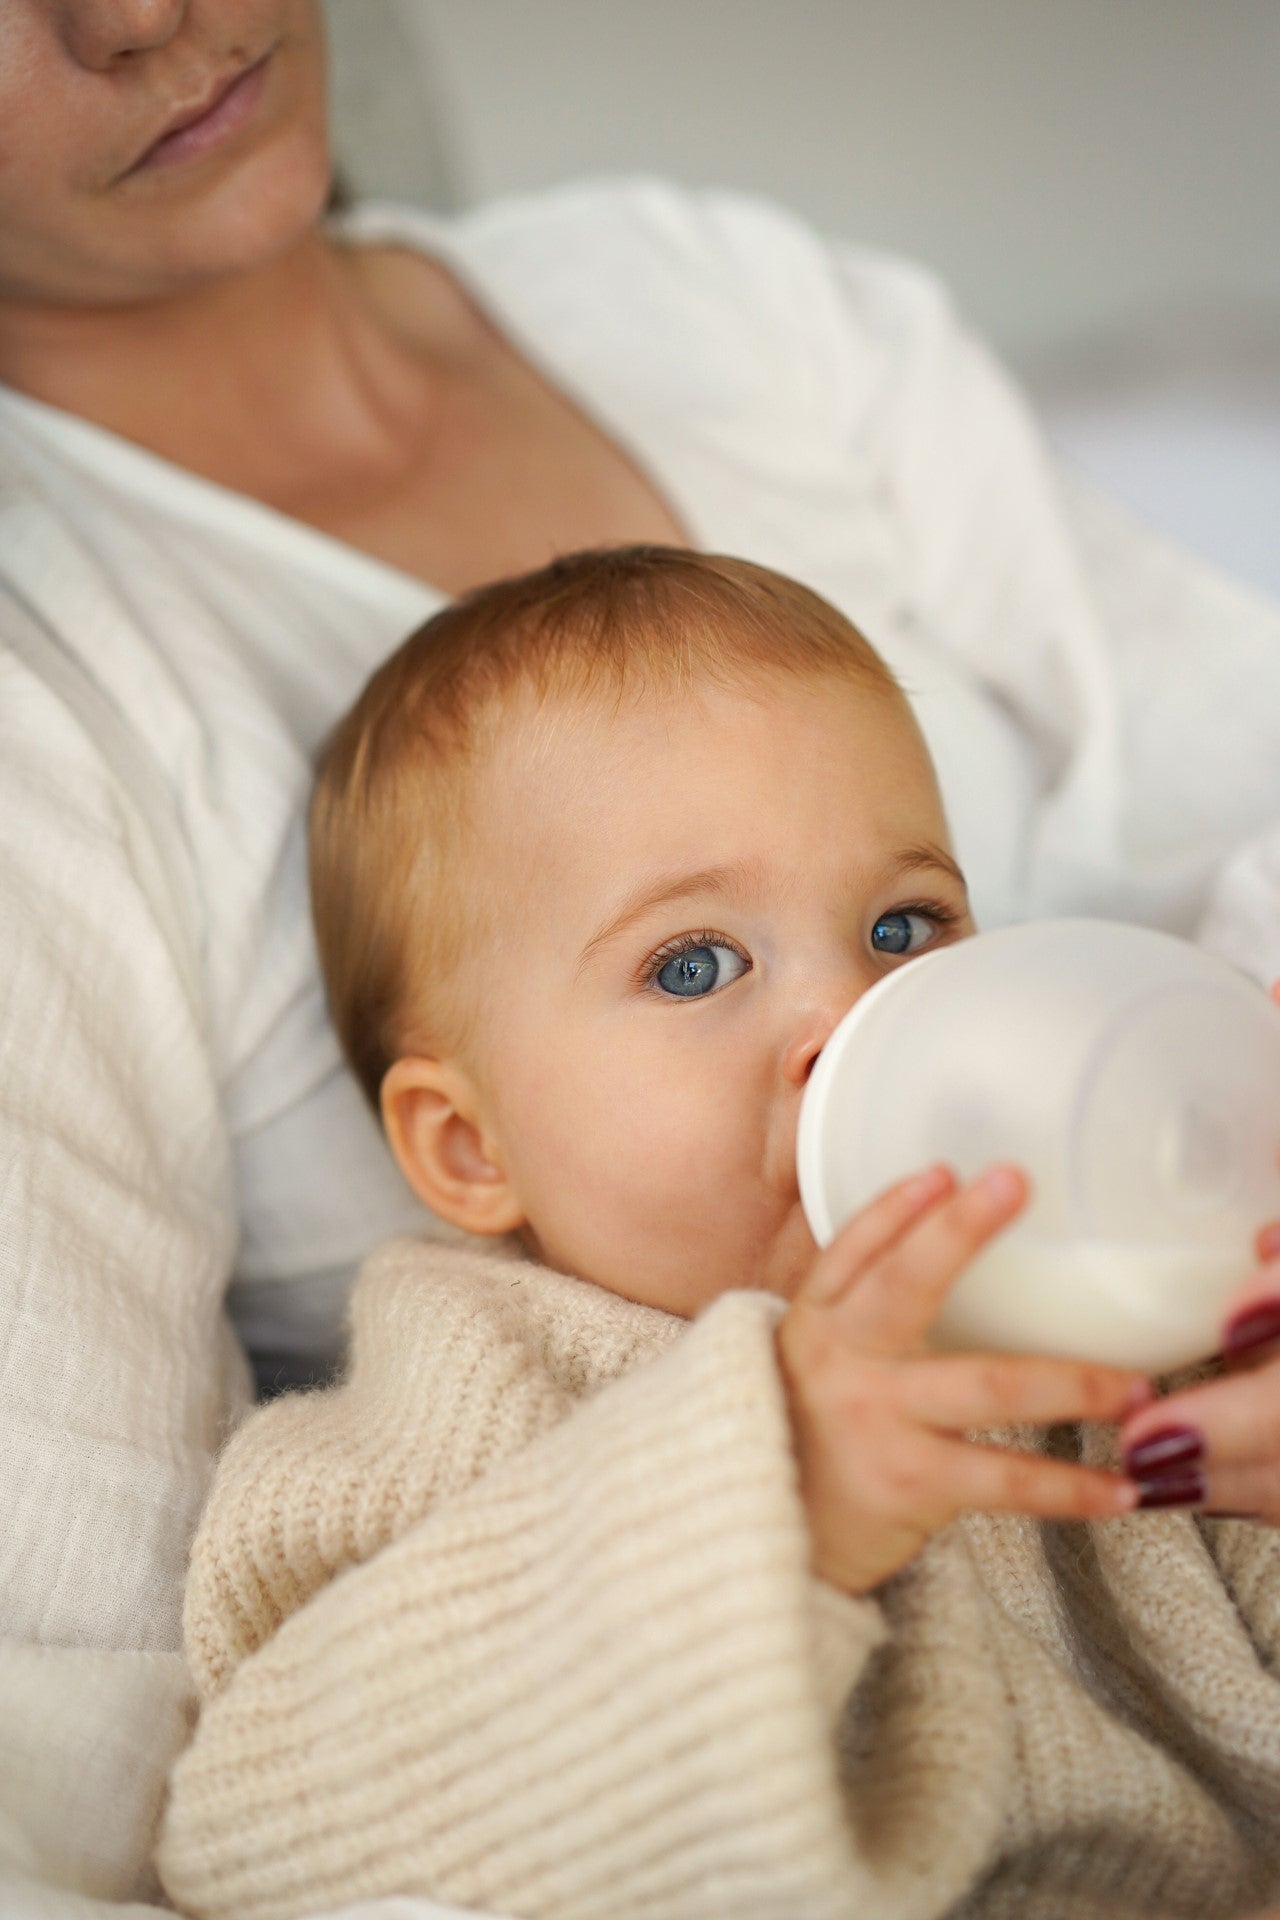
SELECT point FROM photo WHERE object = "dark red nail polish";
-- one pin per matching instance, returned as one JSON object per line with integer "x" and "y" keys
{"x": 1256, "y": 1327}
{"x": 1187, "y": 1490}
{"x": 1167, "y": 1448}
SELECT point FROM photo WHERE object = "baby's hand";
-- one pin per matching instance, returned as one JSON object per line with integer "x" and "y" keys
{"x": 879, "y": 1420}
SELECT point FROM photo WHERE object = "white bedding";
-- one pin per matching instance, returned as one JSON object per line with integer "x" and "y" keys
{"x": 1179, "y": 419}
{"x": 172, "y": 1108}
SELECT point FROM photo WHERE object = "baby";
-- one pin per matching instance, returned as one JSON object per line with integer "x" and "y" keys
{"x": 647, "y": 1562}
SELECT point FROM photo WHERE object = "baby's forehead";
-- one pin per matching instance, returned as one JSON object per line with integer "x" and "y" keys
{"x": 618, "y": 766}
{"x": 557, "y": 751}
{"x": 543, "y": 724}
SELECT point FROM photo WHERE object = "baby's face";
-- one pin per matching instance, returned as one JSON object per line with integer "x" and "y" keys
{"x": 691, "y": 895}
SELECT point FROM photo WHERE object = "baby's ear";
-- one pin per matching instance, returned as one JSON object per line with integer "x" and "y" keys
{"x": 435, "y": 1129}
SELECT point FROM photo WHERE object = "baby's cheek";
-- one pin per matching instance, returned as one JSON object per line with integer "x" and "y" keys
{"x": 634, "y": 1216}
{"x": 633, "y": 1185}
{"x": 631, "y": 1164}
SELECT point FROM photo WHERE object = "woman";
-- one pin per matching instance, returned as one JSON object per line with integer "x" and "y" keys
{"x": 241, "y": 454}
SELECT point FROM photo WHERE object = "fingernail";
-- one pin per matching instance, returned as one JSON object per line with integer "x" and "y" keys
{"x": 1269, "y": 1241}
{"x": 1167, "y": 1447}
{"x": 1256, "y": 1327}
{"x": 1188, "y": 1491}
{"x": 925, "y": 1184}
{"x": 1001, "y": 1184}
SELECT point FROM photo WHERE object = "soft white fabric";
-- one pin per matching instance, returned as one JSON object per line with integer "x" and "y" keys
{"x": 172, "y": 1106}
{"x": 1242, "y": 918}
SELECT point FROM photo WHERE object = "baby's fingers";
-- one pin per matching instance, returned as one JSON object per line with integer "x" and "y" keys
{"x": 871, "y": 1233}
{"x": 1001, "y": 1480}
{"x": 957, "y": 1392}
{"x": 892, "y": 1308}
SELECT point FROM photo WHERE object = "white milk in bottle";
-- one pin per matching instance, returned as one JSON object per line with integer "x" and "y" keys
{"x": 1134, "y": 1078}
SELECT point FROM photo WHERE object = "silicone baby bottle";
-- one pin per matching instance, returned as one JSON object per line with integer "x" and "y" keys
{"x": 1134, "y": 1078}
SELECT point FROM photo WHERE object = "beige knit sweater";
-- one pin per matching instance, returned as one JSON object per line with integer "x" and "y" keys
{"x": 520, "y": 1617}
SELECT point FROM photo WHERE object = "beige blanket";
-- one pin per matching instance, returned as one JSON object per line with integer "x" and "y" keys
{"x": 520, "y": 1617}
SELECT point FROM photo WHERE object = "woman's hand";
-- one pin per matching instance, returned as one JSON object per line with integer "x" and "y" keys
{"x": 1217, "y": 1445}
{"x": 879, "y": 1421}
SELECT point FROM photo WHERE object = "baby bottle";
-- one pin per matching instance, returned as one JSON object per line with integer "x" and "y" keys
{"x": 1133, "y": 1077}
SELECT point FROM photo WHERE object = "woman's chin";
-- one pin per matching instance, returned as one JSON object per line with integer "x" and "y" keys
{"x": 265, "y": 217}
{"x": 229, "y": 210}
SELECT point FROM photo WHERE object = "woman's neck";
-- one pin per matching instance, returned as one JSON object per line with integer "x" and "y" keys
{"x": 258, "y": 381}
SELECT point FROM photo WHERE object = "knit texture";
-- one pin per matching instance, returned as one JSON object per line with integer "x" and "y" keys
{"x": 519, "y": 1617}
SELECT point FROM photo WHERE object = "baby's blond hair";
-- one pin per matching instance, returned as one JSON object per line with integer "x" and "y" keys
{"x": 389, "y": 816}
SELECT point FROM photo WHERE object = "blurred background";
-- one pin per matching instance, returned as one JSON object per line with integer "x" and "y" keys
{"x": 1097, "y": 180}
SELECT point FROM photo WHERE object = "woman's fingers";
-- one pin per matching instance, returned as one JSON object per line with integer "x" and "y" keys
{"x": 1236, "y": 1423}
{"x": 1268, "y": 1240}
{"x": 871, "y": 1233}
{"x": 1229, "y": 1493}
{"x": 1244, "y": 1493}
{"x": 899, "y": 1296}
{"x": 1251, "y": 1317}
{"x": 1237, "y": 1416}
{"x": 959, "y": 1392}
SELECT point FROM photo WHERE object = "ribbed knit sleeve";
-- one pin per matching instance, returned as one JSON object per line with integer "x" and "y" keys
{"x": 458, "y": 1359}
{"x": 598, "y": 1680}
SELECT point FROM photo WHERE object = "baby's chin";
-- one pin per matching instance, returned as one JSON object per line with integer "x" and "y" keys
{"x": 776, "y": 1263}
{"x": 790, "y": 1256}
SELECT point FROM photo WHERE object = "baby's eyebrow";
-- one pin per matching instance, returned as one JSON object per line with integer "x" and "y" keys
{"x": 912, "y": 859}
{"x": 662, "y": 890}
{"x": 738, "y": 876}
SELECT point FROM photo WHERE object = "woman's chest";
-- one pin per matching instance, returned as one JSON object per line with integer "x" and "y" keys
{"x": 504, "y": 474}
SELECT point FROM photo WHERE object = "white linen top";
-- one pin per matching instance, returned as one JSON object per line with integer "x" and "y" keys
{"x": 173, "y": 1108}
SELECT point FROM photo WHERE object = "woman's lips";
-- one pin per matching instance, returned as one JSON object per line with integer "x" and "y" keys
{"x": 227, "y": 113}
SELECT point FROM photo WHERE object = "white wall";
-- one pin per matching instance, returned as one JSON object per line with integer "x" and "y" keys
{"x": 1064, "y": 163}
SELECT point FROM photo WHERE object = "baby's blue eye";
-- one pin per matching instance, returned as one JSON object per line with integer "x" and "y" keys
{"x": 901, "y": 932}
{"x": 699, "y": 971}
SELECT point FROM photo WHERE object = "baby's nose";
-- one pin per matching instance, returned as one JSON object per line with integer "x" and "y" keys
{"x": 812, "y": 1034}
{"x": 801, "y": 1056}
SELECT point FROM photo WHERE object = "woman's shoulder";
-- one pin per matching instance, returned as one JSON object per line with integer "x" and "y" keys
{"x": 628, "y": 216}
{"x": 636, "y": 263}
